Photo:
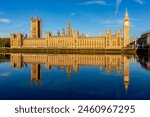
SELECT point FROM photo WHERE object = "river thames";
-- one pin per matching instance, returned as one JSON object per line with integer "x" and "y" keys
{"x": 74, "y": 77}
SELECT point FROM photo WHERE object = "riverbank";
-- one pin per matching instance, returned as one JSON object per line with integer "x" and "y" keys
{"x": 69, "y": 51}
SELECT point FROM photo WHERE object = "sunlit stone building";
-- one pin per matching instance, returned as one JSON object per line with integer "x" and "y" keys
{"x": 71, "y": 39}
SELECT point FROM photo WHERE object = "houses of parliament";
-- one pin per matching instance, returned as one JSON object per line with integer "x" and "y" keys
{"x": 70, "y": 40}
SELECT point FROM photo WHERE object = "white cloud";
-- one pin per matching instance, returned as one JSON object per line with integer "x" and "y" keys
{"x": 140, "y": 1}
{"x": 94, "y": 2}
{"x": 6, "y": 21}
{"x": 103, "y": 2}
{"x": 118, "y": 3}
{"x": 112, "y": 22}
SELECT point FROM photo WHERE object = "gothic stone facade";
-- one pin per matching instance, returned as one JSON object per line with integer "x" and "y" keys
{"x": 71, "y": 41}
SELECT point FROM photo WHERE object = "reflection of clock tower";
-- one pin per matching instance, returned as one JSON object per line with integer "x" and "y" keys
{"x": 126, "y": 73}
{"x": 126, "y": 25}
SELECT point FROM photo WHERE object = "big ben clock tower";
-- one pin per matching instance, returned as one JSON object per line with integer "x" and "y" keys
{"x": 126, "y": 26}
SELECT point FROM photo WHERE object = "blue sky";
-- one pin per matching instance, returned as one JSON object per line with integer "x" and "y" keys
{"x": 88, "y": 16}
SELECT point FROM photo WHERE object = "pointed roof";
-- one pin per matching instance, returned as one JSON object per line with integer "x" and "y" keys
{"x": 126, "y": 15}
{"x": 68, "y": 23}
{"x": 101, "y": 34}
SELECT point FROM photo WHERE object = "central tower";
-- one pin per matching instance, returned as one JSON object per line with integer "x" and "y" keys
{"x": 126, "y": 26}
{"x": 36, "y": 28}
{"x": 69, "y": 30}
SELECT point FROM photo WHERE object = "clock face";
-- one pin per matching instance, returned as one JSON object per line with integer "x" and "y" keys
{"x": 126, "y": 23}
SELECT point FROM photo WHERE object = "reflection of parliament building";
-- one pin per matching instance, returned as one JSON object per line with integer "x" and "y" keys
{"x": 70, "y": 62}
{"x": 70, "y": 39}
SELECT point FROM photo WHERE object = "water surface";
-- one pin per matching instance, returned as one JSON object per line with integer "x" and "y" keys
{"x": 74, "y": 76}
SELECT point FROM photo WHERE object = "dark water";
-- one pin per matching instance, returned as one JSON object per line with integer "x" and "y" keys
{"x": 72, "y": 76}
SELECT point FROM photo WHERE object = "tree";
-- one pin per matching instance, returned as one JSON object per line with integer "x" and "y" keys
{"x": 4, "y": 42}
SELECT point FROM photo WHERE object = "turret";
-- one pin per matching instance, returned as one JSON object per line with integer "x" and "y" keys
{"x": 76, "y": 34}
{"x": 16, "y": 40}
{"x": 118, "y": 33}
{"x": 101, "y": 34}
{"x": 108, "y": 34}
{"x": 48, "y": 35}
{"x": 69, "y": 30}
{"x": 63, "y": 32}
{"x": 58, "y": 33}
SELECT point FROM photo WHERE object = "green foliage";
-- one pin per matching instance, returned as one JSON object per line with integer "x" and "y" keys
{"x": 4, "y": 42}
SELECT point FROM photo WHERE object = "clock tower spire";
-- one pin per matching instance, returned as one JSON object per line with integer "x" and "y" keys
{"x": 126, "y": 26}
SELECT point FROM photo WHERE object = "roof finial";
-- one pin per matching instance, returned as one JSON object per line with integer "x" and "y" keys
{"x": 68, "y": 23}
{"x": 126, "y": 15}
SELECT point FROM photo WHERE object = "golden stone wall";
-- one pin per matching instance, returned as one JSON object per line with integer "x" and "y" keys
{"x": 34, "y": 43}
{"x": 71, "y": 42}
{"x": 109, "y": 42}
